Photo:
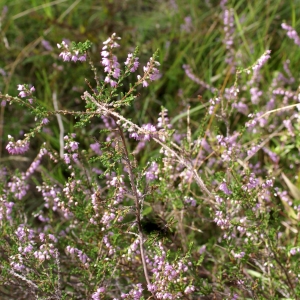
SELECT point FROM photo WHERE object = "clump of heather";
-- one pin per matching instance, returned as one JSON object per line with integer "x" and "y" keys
{"x": 206, "y": 214}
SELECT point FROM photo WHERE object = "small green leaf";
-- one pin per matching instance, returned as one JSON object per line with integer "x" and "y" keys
{"x": 147, "y": 210}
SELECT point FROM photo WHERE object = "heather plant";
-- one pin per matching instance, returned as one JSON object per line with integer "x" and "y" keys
{"x": 156, "y": 208}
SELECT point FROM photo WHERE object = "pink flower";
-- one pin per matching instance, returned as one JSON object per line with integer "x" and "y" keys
{"x": 22, "y": 94}
{"x": 18, "y": 147}
{"x": 45, "y": 121}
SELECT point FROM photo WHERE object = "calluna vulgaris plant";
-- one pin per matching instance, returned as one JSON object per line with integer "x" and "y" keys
{"x": 210, "y": 216}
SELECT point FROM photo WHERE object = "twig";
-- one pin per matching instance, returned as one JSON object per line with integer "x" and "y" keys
{"x": 60, "y": 124}
{"x": 29, "y": 282}
{"x": 277, "y": 109}
{"x": 137, "y": 204}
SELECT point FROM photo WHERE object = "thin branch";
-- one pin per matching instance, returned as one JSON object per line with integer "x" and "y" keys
{"x": 278, "y": 109}
{"x": 137, "y": 204}
{"x": 61, "y": 126}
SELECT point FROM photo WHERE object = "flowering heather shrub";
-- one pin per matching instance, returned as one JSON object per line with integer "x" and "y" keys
{"x": 210, "y": 215}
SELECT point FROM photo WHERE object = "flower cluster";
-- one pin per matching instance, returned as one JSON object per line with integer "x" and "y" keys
{"x": 187, "y": 26}
{"x": 68, "y": 54}
{"x": 71, "y": 146}
{"x": 190, "y": 201}
{"x": 148, "y": 131}
{"x": 152, "y": 172}
{"x": 213, "y": 102}
{"x": 228, "y": 146}
{"x": 135, "y": 293}
{"x": 291, "y": 33}
{"x": 45, "y": 252}
{"x": 110, "y": 61}
{"x": 18, "y": 147}
{"x": 132, "y": 62}
{"x": 51, "y": 196}
{"x": 34, "y": 165}
{"x": 221, "y": 220}
{"x": 108, "y": 245}
{"x": 5, "y": 208}
{"x": 25, "y": 91}
{"x": 80, "y": 255}
{"x": 262, "y": 60}
{"x": 18, "y": 186}
{"x": 150, "y": 72}
{"x": 98, "y": 293}
{"x": 224, "y": 188}
{"x": 228, "y": 20}
{"x": 165, "y": 273}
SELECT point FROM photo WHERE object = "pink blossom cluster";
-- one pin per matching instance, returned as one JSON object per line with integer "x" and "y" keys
{"x": 165, "y": 273}
{"x": 239, "y": 254}
{"x": 70, "y": 55}
{"x": 255, "y": 95}
{"x": 135, "y": 293}
{"x": 256, "y": 119}
{"x": 148, "y": 131}
{"x": 110, "y": 214}
{"x": 289, "y": 126}
{"x": 18, "y": 186}
{"x": 17, "y": 263}
{"x": 150, "y": 72}
{"x": 273, "y": 156}
{"x": 5, "y": 208}
{"x": 187, "y": 26}
{"x": 45, "y": 252}
{"x": 18, "y": 147}
{"x": 118, "y": 183}
{"x": 110, "y": 61}
{"x": 34, "y": 165}
{"x": 190, "y": 201}
{"x": 24, "y": 234}
{"x": 241, "y": 107}
{"x": 152, "y": 172}
{"x": 284, "y": 196}
{"x": 80, "y": 255}
{"x": 71, "y": 146}
{"x": 68, "y": 190}
{"x": 132, "y": 62}
{"x": 262, "y": 60}
{"x": 25, "y": 91}
{"x": 228, "y": 19}
{"x": 295, "y": 250}
{"x": 108, "y": 217}
{"x": 250, "y": 182}
{"x": 51, "y": 195}
{"x": 133, "y": 248}
{"x": 213, "y": 102}
{"x": 221, "y": 220}
{"x": 229, "y": 146}
{"x": 98, "y": 294}
{"x": 96, "y": 148}
{"x": 291, "y": 33}
{"x": 108, "y": 245}
{"x": 25, "y": 249}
